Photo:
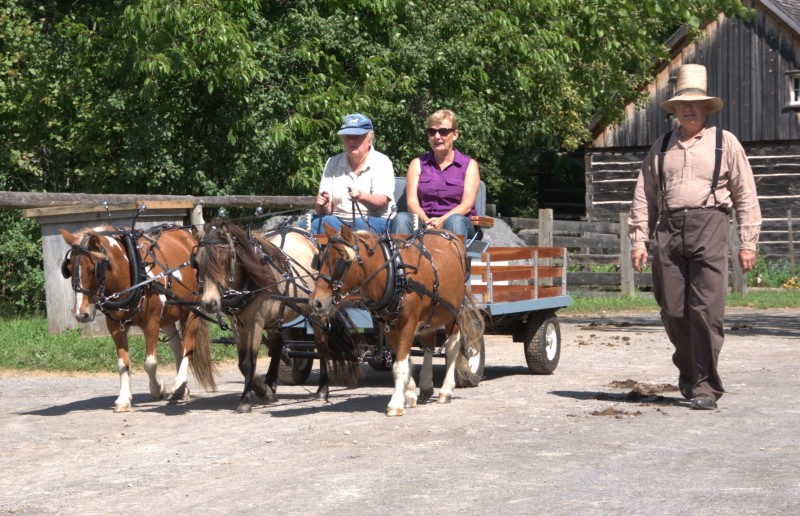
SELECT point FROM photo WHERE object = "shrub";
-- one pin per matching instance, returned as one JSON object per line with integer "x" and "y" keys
{"x": 21, "y": 275}
{"x": 769, "y": 274}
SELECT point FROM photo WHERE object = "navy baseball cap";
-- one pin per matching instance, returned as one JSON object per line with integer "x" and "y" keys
{"x": 355, "y": 124}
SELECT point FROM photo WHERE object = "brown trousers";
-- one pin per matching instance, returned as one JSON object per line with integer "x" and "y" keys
{"x": 690, "y": 283}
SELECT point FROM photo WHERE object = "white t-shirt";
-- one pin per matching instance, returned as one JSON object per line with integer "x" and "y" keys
{"x": 375, "y": 177}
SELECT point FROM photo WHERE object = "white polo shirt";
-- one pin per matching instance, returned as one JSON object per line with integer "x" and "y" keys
{"x": 375, "y": 177}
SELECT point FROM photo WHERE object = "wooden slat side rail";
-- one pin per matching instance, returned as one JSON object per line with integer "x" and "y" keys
{"x": 481, "y": 221}
{"x": 514, "y": 295}
{"x": 515, "y": 272}
{"x": 522, "y": 253}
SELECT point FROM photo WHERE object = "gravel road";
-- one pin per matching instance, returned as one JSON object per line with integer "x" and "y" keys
{"x": 608, "y": 433}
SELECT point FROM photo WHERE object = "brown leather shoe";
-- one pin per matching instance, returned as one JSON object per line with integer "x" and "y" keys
{"x": 703, "y": 402}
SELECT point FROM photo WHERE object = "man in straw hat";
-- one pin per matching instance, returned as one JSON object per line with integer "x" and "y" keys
{"x": 688, "y": 183}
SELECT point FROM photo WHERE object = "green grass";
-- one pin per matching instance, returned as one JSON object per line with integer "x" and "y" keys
{"x": 761, "y": 299}
{"x": 592, "y": 304}
{"x": 26, "y": 344}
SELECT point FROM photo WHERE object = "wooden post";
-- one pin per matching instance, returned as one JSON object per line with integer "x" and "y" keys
{"x": 546, "y": 240}
{"x": 627, "y": 284}
{"x": 546, "y": 228}
{"x": 791, "y": 242}
{"x": 738, "y": 277}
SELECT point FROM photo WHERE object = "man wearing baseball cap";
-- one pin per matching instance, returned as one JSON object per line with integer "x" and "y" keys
{"x": 357, "y": 186}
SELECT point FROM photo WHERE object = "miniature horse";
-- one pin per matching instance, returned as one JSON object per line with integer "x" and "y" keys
{"x": 262, "y": 282}
{"x": 141, "y": 278}
{"x": 412, "y": 287}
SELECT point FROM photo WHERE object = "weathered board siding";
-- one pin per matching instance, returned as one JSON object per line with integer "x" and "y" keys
{"x": 611, "y": 179}
{"x": 747, "y": 63}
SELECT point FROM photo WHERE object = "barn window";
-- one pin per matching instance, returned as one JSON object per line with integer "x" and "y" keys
{"x": 794, "y": 88}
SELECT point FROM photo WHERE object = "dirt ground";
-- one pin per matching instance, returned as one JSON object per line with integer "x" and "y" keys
{"x": 608, "y": 433}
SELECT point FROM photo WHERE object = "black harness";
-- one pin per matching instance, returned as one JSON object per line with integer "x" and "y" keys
{"x": 236, "y": 300}
{"x": 398, "y": 284}
{"x": 122, "y": 300}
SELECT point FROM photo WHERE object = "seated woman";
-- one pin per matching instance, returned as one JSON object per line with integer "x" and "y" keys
{"x": 441, "y": 185}
{"x": 359, "y": 181}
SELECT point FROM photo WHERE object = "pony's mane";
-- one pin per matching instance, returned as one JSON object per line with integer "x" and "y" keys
{"x": 252, "y": 265}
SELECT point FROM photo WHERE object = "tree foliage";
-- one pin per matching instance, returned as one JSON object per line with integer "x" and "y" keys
{"x": 215, "y": 97}
{"x": 242, "y": 96}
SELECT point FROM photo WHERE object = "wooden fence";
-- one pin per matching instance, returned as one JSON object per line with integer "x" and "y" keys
{"x": 603, "y": 245}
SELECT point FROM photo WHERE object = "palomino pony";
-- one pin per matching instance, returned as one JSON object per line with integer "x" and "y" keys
{"x": 412, "y": 287}
{"x": 261, "y": 282}
{"x": 141, "y": 278}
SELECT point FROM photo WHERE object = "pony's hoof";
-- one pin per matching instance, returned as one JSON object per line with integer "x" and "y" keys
{"x": 261, "y": 389}
{"x": 323, "y": 397}
{"x": 425, "y": 395}
{"x": 180, "y": 394}
{"x": 444, "y": 398}
{"x": 411, "y": 402}
{"x": 122, "y": 407}
{"x": 244, "y": 408}
{"x": 391, "y": 412}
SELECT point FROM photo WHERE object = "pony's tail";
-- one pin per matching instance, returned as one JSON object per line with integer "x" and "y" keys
{"x": 201, "y": 364}
{"x": 471, "y": 326}
{"x": 342, "y": 347}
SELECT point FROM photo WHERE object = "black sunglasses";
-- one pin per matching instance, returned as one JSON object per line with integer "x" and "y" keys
{"x": 444, "y": 131}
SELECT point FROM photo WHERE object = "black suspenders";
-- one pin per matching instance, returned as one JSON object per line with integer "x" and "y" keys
{"x": 717, "y": 161}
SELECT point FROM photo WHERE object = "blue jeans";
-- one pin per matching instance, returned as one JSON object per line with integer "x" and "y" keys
{"x": 376, "y": 224}
{"x": 403, "y": 224}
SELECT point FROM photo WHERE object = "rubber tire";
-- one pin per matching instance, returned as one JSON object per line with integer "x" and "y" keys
{"x": 542, "y": 343}
{"x": 296, "y": 372}
{"x": 474, "y": 368}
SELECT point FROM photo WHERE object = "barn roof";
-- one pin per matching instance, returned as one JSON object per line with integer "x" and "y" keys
{"x": 788, "y": 11}
{"x": 747, "y": 62}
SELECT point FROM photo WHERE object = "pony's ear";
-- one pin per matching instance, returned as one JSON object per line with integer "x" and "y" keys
{"x": 329, "y": 230}
{"x": 69, "y": 238}
{"x": 347, "y": 235}
{"x": 95, "y": 245}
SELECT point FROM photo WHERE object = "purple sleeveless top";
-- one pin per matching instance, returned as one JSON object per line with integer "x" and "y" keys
{"x": 439, "y": 191}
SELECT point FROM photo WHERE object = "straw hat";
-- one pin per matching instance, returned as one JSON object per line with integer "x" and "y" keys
{"x": 691, "y": 86}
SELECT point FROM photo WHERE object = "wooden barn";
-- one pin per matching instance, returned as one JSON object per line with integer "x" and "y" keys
{"x": 754, "y": 66}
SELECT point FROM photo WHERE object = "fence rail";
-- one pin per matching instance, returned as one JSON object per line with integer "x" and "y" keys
{"x": 594, "y": 245}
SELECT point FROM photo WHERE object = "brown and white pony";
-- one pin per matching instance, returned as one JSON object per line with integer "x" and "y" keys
{"x": 142, "y": 278}
{"x": 413, "y": 287}
{"x": 262, "y": 282}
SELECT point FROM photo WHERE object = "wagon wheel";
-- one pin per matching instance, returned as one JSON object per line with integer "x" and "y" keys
{"x": 298, "y": 369}
{"x": 469, "y": 370}
{"x": 378, "y": 360}
{"x": 379, "y": 364}
{"x": 296, "y": 372}
{"x": 542, "y": 343}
